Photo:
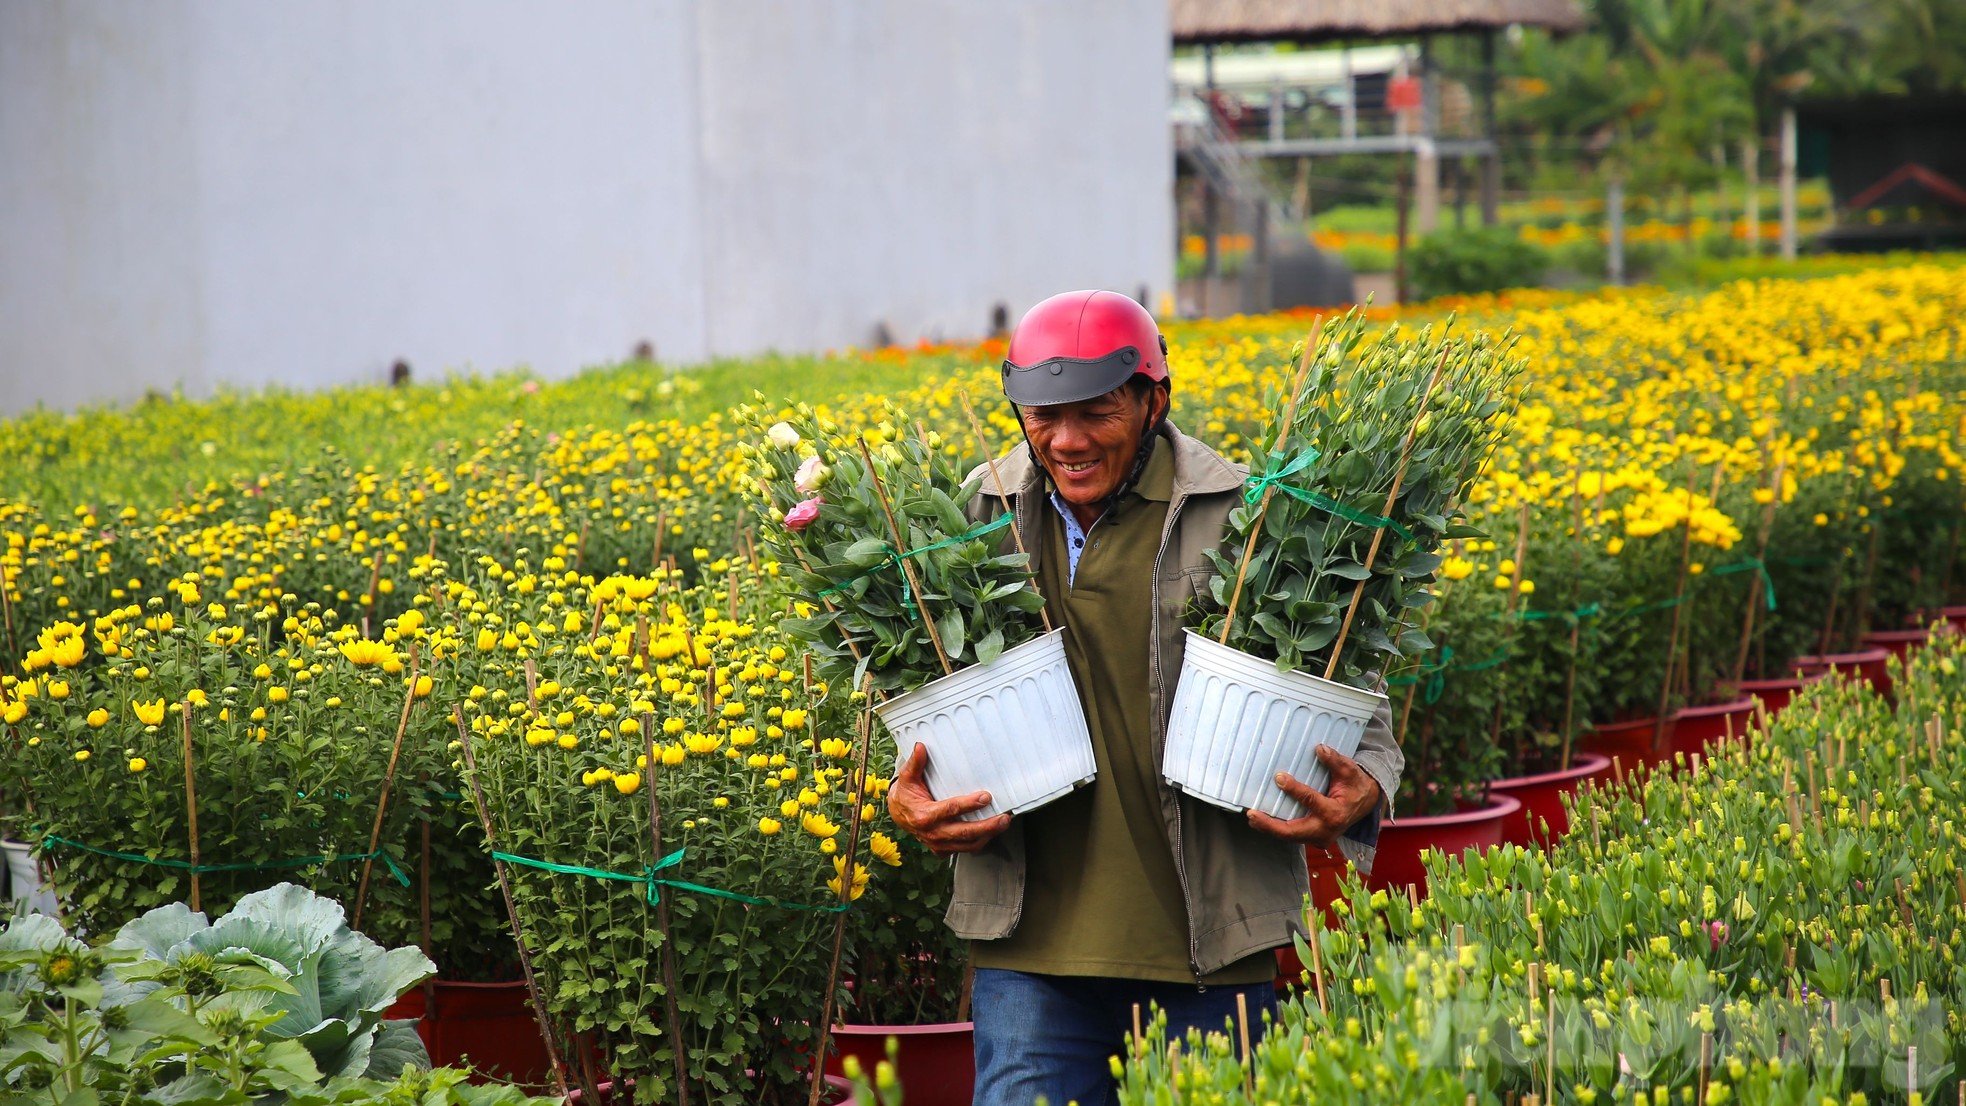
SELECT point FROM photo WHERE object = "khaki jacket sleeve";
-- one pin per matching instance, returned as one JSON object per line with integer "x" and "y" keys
{"x": 1379, "y": 755}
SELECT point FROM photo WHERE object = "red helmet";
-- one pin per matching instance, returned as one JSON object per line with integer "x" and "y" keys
{"x": 1078, "y": 345}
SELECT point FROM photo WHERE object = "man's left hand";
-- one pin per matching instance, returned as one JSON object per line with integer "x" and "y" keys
{"x": 1352, "y": 796}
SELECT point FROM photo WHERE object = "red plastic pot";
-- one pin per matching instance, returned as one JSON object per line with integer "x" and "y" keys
{"x": 1897, "y": 642}
{"x": 935, "y": 1063}
{"x": 1775, "y": 694}
{"x": 1327, "y": 869}
{"x": 1695, "y": 728}
{"x": 1955, "y": 618}
{"x": 1630, "y": 742}
{"x": 489, "y": 1025}
{"x": 1397, "y": 864}
{"x": 1870, "y": 665}
{"x": 1542, "y": 818}
{"x": 837, "y": 1092}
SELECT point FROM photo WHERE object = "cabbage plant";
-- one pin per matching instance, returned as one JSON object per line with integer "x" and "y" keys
{"x": 335, "y": 982}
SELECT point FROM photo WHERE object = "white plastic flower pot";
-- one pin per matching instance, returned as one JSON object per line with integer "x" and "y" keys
{"x": 1013, "y": 727}
{"x": 24, "y": 879}
{"x": 1237, "y": 722}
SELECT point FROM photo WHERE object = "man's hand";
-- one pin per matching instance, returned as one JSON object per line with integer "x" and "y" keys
{"x": 938, "y": 823}
{"x": 1353, "y": 795}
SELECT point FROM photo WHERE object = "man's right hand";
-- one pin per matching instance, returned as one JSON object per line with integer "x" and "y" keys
{"x": 938, "y": 823}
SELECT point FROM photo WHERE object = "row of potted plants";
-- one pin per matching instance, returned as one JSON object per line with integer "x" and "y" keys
{"x": 1776, "y": 924}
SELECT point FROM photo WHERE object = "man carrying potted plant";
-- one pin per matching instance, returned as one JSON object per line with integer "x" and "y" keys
{"x": 1126, "y": 893}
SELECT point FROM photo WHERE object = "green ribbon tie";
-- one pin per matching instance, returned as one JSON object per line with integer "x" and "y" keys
{"x": 1274, "y": 480}
{"x": 1588, "y": 610}
{"x": 388, "y": 862}
{"x": 895, "y": 558}
{"x": 1751, "y": 564}
{"x": 652, "y": 884}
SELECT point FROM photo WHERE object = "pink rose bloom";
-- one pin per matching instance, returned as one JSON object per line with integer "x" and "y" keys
{"x": 801, "y": 516}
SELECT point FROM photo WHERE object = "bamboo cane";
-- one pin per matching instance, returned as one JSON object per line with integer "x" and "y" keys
{"x": 382, "y": 801}
{"x": 190, "y": 800}
{"x": 1242, "y": 1031}
{"x": 1509, "y": 630}
{"x": 670, "y": 1009}
{"x": 511, "y": 908}
{"x": 1317, "y": 967}
{"x": 1679, "y": 598}
{"x": 863, "y": 739}
{"x": 1379, "y": 533}
{"x": 1283, "y": 435}
{"x": 900, "y": 554}
{"x": 1756, "y": 596}
{"x": 990, "y": 459}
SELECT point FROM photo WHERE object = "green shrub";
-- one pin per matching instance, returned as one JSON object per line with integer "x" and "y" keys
{"x": 1486, "y": 259}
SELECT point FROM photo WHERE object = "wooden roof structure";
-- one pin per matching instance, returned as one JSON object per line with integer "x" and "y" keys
{"x": 1199, "y": 22}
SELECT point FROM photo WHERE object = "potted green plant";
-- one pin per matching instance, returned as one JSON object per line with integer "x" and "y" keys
{"x": 905, "y": 596}
{"x": 1354, "y": 488}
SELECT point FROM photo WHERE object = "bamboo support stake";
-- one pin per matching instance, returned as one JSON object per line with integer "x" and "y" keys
{"x": 1139, "y": 1042}
{"x": 863, "y": 739}
{"x": 900, "y": 554}
{"x": 990, "y": 459}
{"x": 375, "y": 577}
{"x": 670, "y": 1009}
{"x": 1509, "y": 629}
{"x": 655, "y": 554}
{"x": 1679, "y": 600}
{"x": 1283, "y": 436}
{"x": 1757, "y": 595}
{"x": 190, "y": 799}
{"x": 1242, "y": 1031}
{"x": 511, "y": 906}
{"x": 1317, "y": 967}
{"x": 382, "y": 801}
{"x": 7, "y": 615}
{"x": 1379, "y": 533}
{"x": 1706, "y": 1067}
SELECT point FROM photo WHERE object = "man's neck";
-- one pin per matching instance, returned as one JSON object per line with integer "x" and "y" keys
{"x": 1087, "y": 516}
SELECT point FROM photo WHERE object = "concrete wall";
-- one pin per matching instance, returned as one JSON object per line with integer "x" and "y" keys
{"x": 197, "y": 192}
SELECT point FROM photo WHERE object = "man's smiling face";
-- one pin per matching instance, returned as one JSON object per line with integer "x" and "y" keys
{"x": 1088, "y": 447}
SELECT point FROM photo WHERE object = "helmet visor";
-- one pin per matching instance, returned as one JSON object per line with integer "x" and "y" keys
{"x": 1068, "y": 379}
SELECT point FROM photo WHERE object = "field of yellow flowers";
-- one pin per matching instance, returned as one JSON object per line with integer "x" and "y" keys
{"x": 342, "y": 637}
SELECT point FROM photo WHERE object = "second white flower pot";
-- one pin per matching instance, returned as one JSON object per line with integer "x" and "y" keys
{"x": 1237, "y": 722}
{"x": 1013, "y": 727}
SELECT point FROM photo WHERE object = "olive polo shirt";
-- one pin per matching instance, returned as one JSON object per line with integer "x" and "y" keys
{"x": 1102, "y": 896}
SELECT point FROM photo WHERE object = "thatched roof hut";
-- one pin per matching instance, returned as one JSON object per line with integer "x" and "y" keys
{"x": 1198, "y": 22}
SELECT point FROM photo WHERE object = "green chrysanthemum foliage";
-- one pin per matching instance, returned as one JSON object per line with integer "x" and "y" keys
{"x": 1330, "y": 471}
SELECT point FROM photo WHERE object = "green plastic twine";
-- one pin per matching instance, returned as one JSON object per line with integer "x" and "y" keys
{"x": 1258, "y": 485}
{"x": 254, "y": 866}
{"x": 652, "y": 884}
{"x": 895, "y": 558}
{"x": 1751, "y": 564}
{"x": 1588, "y": 610}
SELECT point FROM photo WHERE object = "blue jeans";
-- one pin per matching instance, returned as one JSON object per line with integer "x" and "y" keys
{"x": 1054, "y": 1035}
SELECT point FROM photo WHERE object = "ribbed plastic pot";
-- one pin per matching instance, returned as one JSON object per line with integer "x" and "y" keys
{"x": 936, "y": 1063}
{"x": 24, "y": 880}
{"x": 490, "y": 1024}
{"x": 1897, "y": 642}
{"x": 1237, "y": 721}
{"x": 1541, "y": 796}
{"x": 1695, "y": 728}
{"x": 1401, "y": 842}
{"x": 1631, "y": 742}
{"x": 1013, "y": 727}
{"x": 1870, "y": 665}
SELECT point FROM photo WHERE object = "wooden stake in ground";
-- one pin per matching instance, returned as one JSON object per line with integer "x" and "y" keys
{"x": 190, "y": 799}
{"x": 1242, "y": 1030}
{"x": 901, "y": 555}
{"x": 511, "y": 907}
{"x": 1379, "y": 533}
{"x": 1283, "y": 435}
{"x": 670, "y": 1009}
{"x": 863, "y": 739}
{"x": 1317, "y": 967}
{"x": 1757, "y": 595}
{"x": 1678, "y": 601}
{"x": 990, "y": 459}
{"x": 382, "y": 801}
